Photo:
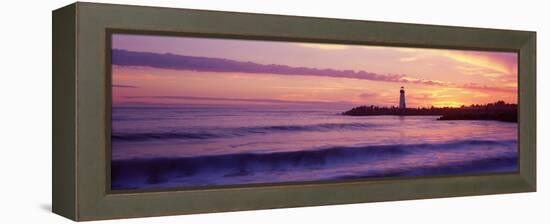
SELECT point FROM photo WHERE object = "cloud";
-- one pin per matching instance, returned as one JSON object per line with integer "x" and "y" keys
{"x": 504, "y": 63}
{"x": 425, "y": 81}
{"x": 408, "y": 59}
{"x": 475, "y": 86}
{"x": 367, "y": 95}
{"x": 479, "y": 71}
{"x": 483, "y": 63}
{"x": 182, "y": 62}
{"x": 413, "y": 58}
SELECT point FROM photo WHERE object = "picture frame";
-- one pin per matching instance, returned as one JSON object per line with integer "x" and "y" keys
{"x": 81, "y": 110}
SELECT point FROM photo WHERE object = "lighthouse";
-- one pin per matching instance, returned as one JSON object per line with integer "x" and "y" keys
{"x": 402, "y": 104}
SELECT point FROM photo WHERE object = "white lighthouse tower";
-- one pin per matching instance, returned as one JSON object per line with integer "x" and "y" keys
{"x": 402, "y": 104}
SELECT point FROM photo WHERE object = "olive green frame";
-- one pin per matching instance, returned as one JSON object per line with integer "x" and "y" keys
{"x": 81, "y": 115}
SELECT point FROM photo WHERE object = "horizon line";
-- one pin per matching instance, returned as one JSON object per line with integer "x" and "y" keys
{"x": 277, "y": 102}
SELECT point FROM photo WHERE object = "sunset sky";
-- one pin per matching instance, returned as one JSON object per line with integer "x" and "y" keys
{"x": 181, "y": 70}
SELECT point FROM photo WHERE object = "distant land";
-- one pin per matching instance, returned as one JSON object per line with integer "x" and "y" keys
{"x": 498, "y": 111}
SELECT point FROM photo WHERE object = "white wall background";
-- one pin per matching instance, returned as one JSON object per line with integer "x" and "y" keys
{"x": 25, "y": 112}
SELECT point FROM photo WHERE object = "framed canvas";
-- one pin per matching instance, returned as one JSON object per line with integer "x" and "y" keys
{"x": 160, "y": 111}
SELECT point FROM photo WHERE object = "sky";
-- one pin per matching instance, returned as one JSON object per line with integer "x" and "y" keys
{"x": 149, "y": 69}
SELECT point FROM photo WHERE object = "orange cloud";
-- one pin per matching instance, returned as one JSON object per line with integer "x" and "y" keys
{"x": 493, "y": 62}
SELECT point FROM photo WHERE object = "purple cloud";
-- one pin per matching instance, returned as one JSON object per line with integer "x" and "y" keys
{"x": 182, "y": 62}
{"x": 367, "y": 95}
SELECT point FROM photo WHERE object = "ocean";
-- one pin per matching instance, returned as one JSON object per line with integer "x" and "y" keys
{"x": 161, "y": 147}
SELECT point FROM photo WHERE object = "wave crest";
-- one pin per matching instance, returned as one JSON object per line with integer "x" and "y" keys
{"x": 235, "y": 132}
{"x": 142, "y": 172}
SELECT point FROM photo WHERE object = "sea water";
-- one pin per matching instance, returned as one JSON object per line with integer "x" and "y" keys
{"x": 158, "y": 147}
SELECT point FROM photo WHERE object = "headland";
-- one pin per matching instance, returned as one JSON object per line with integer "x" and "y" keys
{"x": 498, "y": 111}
